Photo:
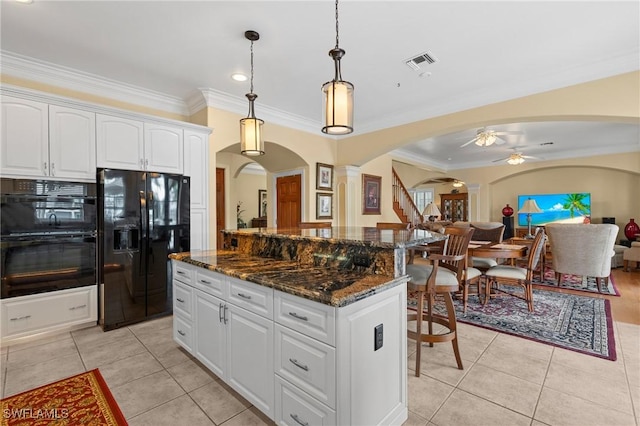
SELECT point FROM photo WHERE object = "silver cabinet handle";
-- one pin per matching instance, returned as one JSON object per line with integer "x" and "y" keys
{"x": 221, "y": 311}
{"x": 297, "y": 420}
{"x": 141, "y": 163}
{"x": 73, "y": 308}
{"x": 20, "y": 318}
{"x": 225, "y": 313}
{"x": 146, "y": 162}
{"x": 53, "y": 169}
{"x": 297, "y": 364}
{"x": 180, "y": 300}
{"x": 44, "y": 168}
{"x": 244, "y": 296}
{"x": 182, "y": 333}
{"x": 180, "y": 273}
{"x": 300, "y": 317}
{"x": 205, "y": 281}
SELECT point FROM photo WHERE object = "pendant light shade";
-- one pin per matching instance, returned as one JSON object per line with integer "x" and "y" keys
{"x": 251, "y": 136}
{"x": 338, "y": 96}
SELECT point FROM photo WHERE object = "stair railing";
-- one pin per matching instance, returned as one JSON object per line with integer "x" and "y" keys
{"x": 403, "y": 203}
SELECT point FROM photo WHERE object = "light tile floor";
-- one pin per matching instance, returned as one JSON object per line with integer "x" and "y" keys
{"x": 506, "y": 380}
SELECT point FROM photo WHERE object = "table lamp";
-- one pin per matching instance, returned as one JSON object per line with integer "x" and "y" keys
{"x": 432, "y": 211}
{"x": 529, "y": 207}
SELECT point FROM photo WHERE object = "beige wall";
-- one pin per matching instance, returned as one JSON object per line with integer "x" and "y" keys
{"x": 247, "y": 186}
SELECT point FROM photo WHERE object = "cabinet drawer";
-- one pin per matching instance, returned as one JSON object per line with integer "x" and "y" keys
{"x": 48, "y": 311}
{"x": 182, "y": 300}
{"x": 307, "y": 363}
{"x": 183, "y": 333}
{"x": 294, "y": 408}
{"x": 182, "y": 272}
{"x": 252, "y": 297}
{"x": 210, "y": 282}
{"x": 310, "y": 318}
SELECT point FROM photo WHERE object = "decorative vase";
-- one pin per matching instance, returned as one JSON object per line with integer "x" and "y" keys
{"x": 507, "y": 210}
{"x": 631, "y": 229}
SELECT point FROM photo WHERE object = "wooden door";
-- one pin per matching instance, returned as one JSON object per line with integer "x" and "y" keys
{"x": 289, "y": 202}
{"x": 220, "y": 207}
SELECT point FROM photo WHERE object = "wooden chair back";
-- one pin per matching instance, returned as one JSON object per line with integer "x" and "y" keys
{"x": 314, "y": 225}
{"x": 393, "y": 225}
{"x": 456, "y": 245}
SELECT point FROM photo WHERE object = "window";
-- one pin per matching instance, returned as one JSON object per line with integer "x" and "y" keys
{"x": 421, "y": 197}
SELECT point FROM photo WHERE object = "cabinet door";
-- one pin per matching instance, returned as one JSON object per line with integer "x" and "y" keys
{"x": 25, "y": 138}
{"x": 211, "y": 334}
{"x": 163, "y": 148}
{"x": 250, "y": 357}
{"x": 72, "y": 143}
{"x": 199, "y": 230}
{"x": 120, "y": 143}
{"x": 196, "y": 149}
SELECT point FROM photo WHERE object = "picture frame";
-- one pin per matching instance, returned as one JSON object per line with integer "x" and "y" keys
{"x": 324, "y": 205}
{"x": 371, "y": 191}
{"x": 262, "y": 203}
{"x": 324, "y": 177}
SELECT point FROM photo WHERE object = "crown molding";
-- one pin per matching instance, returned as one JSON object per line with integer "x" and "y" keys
{"x": 72, "y": 79}
{"x": 217, "y": 99}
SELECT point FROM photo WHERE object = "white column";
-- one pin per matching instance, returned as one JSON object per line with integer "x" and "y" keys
{"x": 347, "y": 195}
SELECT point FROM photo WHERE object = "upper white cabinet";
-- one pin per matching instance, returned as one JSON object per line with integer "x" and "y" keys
{"x": 135, "y": 145}
{"x": 120, "y": 143}
{"x": 72, "y": 143}
{"x": 196, "y": 159}
{"x": 40, "y": 140}
{"x": 163, "y": 148}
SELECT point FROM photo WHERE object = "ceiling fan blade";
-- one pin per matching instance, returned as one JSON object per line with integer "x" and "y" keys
{"x": 469, "y": 143}
{"x": 500, "y": 141}
{"x": 502, "y": 159}
{"x": 510, "y": 132}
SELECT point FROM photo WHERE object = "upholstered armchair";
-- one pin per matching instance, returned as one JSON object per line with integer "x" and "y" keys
{"x": 582, "y": 249}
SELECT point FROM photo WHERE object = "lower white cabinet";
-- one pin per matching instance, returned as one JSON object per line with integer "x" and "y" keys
{"x": 48, "y": 312}
{"x": 299, "y": 362}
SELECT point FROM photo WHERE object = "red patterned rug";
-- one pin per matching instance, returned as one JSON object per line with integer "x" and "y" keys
{"x": 83, "y": 399}
{"x": 575, "y": 282}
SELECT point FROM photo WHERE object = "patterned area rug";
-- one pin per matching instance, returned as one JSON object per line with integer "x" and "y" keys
{"x": 578, "y": 323}
{"x": 83, "y": 399}
{"x": 576, "y": 282}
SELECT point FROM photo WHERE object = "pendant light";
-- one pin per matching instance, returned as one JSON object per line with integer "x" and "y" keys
{"x": 251, "y": 142}
{"x": 338, "y": 96}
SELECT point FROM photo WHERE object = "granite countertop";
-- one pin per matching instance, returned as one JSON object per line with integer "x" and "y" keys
{"x": 330, "y": 286}
{"x": 366, "y": 236}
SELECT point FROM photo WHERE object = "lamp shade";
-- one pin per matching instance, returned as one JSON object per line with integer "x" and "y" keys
{"x": 338, "y": 108}
{"x": 251, "y": 142}
{"x": 431, "y": 210}
{"x": 530, "y": 206}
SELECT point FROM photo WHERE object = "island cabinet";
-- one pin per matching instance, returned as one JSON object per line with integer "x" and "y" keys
{"x": 299, "y": 361}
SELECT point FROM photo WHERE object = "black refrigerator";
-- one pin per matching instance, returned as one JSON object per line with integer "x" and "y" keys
{"x": 142, "y": 218}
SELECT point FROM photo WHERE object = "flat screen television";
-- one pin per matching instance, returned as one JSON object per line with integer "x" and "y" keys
{"x": 564, "y": 208}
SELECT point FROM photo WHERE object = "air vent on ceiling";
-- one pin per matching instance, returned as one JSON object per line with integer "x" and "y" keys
{"x": 417, "y": 63}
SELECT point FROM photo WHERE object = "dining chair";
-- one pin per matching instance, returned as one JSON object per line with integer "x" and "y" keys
{"x": 441, "y": 277}
{"x": 314, "y": 225}
{"x": 516, "y": 275}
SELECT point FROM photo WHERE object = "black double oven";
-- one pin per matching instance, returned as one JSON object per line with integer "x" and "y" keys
{"x": 48, "y": 236}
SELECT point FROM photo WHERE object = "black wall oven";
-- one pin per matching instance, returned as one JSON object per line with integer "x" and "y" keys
{"x": 48, "y": 236}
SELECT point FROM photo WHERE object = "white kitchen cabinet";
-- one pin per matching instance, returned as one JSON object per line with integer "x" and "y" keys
{"x": 196, "y": 165}
{"x": 199, "y": 229}
{"x": 233, "y": 338}
{"x": 163, "y": 148}
{"x": 47, "y": 141}
{"x": 120, "y": 143}
{"x": 136, "y": 145}
{"x": 301, "y": 361}
{"x": 48, "y": 312}
{"x": 72, "y": 143}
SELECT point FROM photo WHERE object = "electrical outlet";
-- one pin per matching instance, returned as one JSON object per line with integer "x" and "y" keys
{"x": 377, "y": 337}
{"x": 234, "y": 242}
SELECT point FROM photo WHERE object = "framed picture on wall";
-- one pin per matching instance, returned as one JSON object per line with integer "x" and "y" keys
{"x": 262, "y": 202}
{"x": 324, "y": 205}
{"x": 371, "y": 190}
{"x": 324, "y": 177}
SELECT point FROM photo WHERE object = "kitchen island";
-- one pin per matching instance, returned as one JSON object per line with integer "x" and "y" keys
{"x": 308, "y": 325}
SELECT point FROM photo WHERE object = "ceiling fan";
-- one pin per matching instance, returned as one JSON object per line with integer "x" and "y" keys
{"x": 516, "y": 158}
{"x": 487, "y": 137}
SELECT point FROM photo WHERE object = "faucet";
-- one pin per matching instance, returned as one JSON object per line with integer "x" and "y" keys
{"x": 55, "y": 220}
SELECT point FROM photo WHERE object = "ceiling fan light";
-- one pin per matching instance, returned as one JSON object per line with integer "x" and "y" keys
{"x": 515, "y": 159}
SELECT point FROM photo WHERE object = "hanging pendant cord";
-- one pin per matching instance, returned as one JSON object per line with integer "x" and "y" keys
{"x": 251, "y": 90}
{"x": 337, "y": 31}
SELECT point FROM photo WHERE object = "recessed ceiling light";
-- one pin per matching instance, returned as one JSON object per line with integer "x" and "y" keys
{"x": 239, "y": 77}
